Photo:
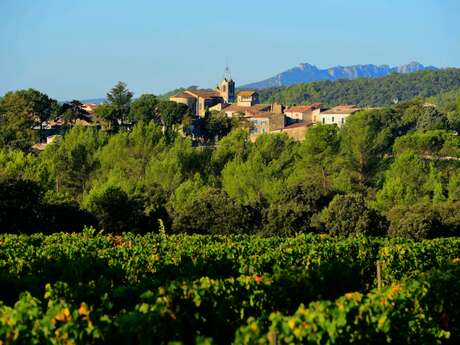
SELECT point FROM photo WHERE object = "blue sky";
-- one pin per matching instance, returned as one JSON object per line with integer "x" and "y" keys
{"x": 80, "y": 48}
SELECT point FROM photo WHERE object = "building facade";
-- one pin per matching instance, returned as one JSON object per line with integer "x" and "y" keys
{"x": 337, "y": 115}
{"x": 198, "y": 101}
{"x": 295, "y": 131}
{"x": 303, "y": 113}
{"x": 226, "y": 88}
{"x": 247, "y": 98}
{"x": 265, "y": 123}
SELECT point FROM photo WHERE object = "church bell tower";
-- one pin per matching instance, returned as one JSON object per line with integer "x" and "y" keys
{"x": 227, "y": 87}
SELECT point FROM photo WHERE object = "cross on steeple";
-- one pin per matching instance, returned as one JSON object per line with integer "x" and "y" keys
{"x": 227, "y": 74}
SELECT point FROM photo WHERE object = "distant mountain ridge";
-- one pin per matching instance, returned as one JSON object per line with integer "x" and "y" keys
{"x": 94, "y": 100}
{"x": 366, "y": 92}
{"x": 305, "y": 73}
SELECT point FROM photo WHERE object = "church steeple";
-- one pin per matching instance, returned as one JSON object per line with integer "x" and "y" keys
{"x": 227, "y": 87}
{"x": 227, "y": 74}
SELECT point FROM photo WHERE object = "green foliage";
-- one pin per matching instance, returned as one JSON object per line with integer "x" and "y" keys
{"x": 197, "y": 208}
{"x": 73, "y": 111}
{"x": 217, "y": 125}
{"x": 449, "y": 103}
{"x": 175, "y": 164}
{"x": 261, "y": 176}
{"x": 25, "y": 209}
{"x": 412, "y": 312}
{"x": 26, "y": 166}
{"x": 20, "y": 111}
{"x": 126, "y": 289}
{"x": 366, "y": 91}
{"x": 317, "y": 155}
{"x": 424, "y": 220}
{"x": 429, "y": 143}
{"x": 20, "y": 203}
{"x": 349, "y": 215}
{"x": 425, "y": 118}
{"x": 108, "y": 114}
{"x": 171, "y": 115}
{"x": 403, "y": 182}
{"x": 365, "y": 138}
{"x": 72, "y": 161}
{"x": 137, "y": 147}
{"x": 26, "y": 323}
{"x": 293, "y": 210}
{"x": 119, "y": 98}
{"x": 144, "y": 109}
{"x": 400, "y": 155}
{"x": 234, "y": 146}
{"x": 114, "y": 208}
{"x": 434, "y": 185}
{"x": 454, "y": 187}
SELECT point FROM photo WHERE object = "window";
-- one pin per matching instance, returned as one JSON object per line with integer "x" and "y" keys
{"x": 332, "y": 119}
{"x": 342, "y": 120}
{"x": 324, "y": 120}
{"x": 263, "y": 130}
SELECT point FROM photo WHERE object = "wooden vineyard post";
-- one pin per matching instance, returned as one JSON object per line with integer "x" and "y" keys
{"x": 379, "y": 275}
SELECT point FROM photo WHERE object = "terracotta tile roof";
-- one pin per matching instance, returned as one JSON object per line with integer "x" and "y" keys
{"x": 203, "y": 93}
{"x": 302, "y": 108}
{"x": 246, "y": 93}
{"x": 261, "y": 107}
{"x": 341, "y": 109}
{"x": 182, "y": 95}
{"x": 235, "y": 108}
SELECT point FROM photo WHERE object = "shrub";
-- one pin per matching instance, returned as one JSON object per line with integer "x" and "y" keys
{"x": 348, "y": 214}
{"x": 292, "y": 212}
{"x": 114, "y": 210}
{"x": 209, "y": 211}
{"x": 424, "y": 220}
{"x": 20, "y": 205}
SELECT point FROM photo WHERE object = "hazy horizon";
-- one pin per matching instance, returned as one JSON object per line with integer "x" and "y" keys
{"x": 81, "y": 49}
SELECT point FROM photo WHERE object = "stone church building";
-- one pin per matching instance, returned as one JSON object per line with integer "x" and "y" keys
{"x": 199, "y": 101}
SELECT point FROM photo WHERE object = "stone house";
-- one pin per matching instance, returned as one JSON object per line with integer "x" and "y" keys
{"x": 303, "y": 113}
{"x": 265, "y": 122}
{"x": 247, "y": 98}
{"x": 337, "y": 115}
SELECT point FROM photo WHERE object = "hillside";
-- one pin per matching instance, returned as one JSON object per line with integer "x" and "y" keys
{"x": 305, "y": 73}
{"x": 367, "y": 91}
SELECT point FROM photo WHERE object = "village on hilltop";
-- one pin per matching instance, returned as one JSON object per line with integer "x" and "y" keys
{"x": 264, "y": 118}
{"x": 294, "y": 120}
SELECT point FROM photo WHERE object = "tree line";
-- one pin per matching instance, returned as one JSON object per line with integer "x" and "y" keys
{"x": 384, "y": 172}
{"x": 367, "y": 92}
{"x": 23, "y": 114}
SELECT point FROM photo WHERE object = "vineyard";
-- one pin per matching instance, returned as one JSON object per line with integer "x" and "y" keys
{"x": 92, "y": 288}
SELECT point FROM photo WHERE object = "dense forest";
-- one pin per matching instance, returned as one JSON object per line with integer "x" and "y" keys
{"x": 393, "y": 170}
{"x": 367, "y": 91}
